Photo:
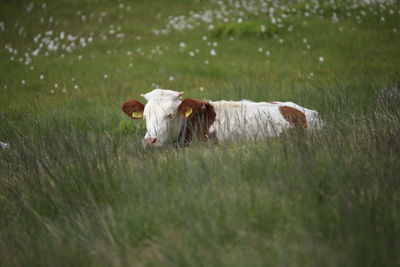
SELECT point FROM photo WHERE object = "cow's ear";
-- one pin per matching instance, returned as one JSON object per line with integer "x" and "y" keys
{"x": 188, "y": 107}
{"x": 133, "y": 109}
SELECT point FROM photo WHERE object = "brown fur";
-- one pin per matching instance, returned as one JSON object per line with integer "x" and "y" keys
{"x": 200, "y": 120}
{"x": 132, "y": 106}
{"x": 295, "y": 117}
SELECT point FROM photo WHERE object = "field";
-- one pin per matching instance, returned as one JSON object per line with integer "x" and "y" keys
{"x": 78, "y": 189}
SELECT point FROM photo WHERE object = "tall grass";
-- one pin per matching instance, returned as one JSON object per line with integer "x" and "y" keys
{"x": 82, "y": 191}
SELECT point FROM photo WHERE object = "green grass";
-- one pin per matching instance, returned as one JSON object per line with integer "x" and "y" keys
{"x": 78, "y": 189}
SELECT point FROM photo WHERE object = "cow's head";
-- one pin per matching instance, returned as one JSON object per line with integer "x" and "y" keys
{"x": 165, "y": 114}
{"x": 163, "y": 123}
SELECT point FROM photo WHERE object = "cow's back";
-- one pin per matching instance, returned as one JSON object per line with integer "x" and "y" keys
{"x": 247, "y": 119}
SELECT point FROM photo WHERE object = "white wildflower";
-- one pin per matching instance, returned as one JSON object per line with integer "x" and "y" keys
{"x": 213, "y": 52}
{"x": 182, "y": 45}
{"x": 30, "y": 7}
{"x": 35, "y": 53}
{"x": 335, "y": 18}
{"x": 4, "y": 145}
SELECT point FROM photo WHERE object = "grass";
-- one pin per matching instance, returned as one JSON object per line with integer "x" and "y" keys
{"x": 77, "y": 188}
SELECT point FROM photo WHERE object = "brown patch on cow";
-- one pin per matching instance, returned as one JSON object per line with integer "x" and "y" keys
{"x": 199, "y": 121}
{"x": 295, "y": 117}
{"x": 131, "y": 106}
{"x": 273, "y": 102}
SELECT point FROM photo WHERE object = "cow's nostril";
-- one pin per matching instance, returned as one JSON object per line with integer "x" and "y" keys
{"x": 149, "y": 141}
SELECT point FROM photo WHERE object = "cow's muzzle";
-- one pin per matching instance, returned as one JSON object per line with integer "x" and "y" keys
{"x": 149, "y": 142}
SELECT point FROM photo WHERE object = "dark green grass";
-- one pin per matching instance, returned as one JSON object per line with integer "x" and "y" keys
{"x": 77, "y": 188}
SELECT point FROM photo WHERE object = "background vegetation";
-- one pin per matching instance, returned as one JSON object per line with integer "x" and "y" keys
{"x": 77, "y": 188}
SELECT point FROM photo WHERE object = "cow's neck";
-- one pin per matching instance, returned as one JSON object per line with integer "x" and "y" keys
{"x": 198, "y": 125}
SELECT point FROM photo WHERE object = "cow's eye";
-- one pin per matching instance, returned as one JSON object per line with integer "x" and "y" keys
{"x": 169, "y": 116}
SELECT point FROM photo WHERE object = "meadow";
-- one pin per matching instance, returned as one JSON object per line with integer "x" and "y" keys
{"x": 78, "y": 189}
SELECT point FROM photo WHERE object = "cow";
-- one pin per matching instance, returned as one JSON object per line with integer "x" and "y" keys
{"x": 172, "y": 120}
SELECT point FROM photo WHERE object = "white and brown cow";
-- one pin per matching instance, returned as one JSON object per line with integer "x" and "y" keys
{"x": 169, "y": 119}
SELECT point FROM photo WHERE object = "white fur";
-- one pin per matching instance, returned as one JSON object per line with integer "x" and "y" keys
{"x": 238, "y": 119}
{"x": 162, "y": 103}
{"x": 162, "y": 94}
{"x": 247, "y": 119}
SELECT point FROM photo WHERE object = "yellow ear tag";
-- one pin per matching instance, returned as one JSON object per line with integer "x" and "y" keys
{"x": 137, "y": 115}
{"x": 188, "y": 112}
